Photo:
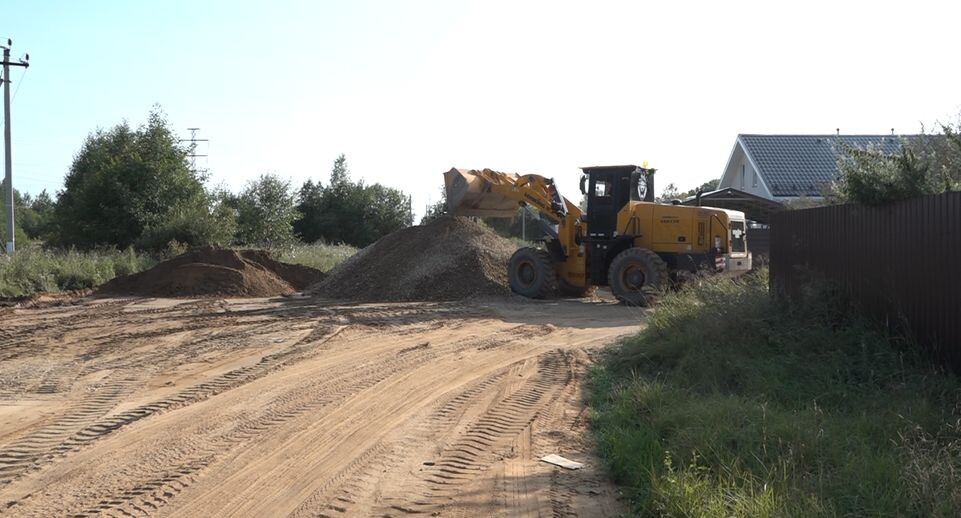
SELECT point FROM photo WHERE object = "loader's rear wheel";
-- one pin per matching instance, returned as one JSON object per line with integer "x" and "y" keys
{"x": 530, "y": 273}
{"x": 637, "y": 274}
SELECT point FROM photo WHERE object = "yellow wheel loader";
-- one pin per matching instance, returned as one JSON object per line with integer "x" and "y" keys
{"x": 624, "y": 240}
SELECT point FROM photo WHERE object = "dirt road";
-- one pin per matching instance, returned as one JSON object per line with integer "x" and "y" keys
{"x": 299, "y": 407}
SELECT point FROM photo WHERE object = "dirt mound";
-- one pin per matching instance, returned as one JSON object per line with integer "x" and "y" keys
{"x": 450, "y": 258}
{"x": 216, "y": 272}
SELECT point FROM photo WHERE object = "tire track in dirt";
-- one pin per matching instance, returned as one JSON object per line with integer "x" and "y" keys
{"x": 38, "y": 447}
{"x": 178, "y": 469}
{"x": 492, "y": 434}
{"x": 308, "y": 398}
{"x": 85, "y": 424}
{"x": 348, "y": 410}
{"x": 41, "y": 336}
{"x": 482, "y": 441}
{"x": 338, "y": 498}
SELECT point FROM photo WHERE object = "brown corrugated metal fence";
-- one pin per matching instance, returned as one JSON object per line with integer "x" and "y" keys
{"x": 759, "y": 241}
{"x": 901, "y": 262}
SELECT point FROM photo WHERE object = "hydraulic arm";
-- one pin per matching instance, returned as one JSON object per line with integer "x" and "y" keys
{"x": 489, "y": 193}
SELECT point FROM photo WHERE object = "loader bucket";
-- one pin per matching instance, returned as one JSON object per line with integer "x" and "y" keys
{"x": 473, "y": 193}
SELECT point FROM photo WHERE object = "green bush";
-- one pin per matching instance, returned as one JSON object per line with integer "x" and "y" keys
{"x": 206, "y": 221}
{"x": 728, "y": 404}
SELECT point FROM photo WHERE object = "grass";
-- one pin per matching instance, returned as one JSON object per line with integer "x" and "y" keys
{"x": 729, "y": 404}
{"x": 318, "y": 255}
{"x": 34, "y": 269}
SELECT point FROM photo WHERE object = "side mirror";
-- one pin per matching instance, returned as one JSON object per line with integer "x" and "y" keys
{"x": 583, "y": 184}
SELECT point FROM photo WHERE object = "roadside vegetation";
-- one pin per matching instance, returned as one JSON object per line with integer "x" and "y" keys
{"x": 37, "y": 270}
{"x": 34, "y": 270}
{"x": 730, "y": 404}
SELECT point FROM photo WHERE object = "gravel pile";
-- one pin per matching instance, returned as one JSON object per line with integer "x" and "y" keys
{"x": 451, "y": 258}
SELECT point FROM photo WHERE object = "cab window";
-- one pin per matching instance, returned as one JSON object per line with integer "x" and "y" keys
{"x": 602, "y": 189}
{"x": 738, "y": 239}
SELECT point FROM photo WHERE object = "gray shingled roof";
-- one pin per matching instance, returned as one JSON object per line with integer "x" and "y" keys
{"x": 801, "y": 165}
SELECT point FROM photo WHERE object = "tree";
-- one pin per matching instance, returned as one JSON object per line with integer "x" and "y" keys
{"x": 22, "y": 213}
{"x": 671, "y": 191}
{"x": 211, "y": 220}
{"x": 708, "y": 186}
{"x": 386, "y": 210}
{"x": 436, "y": 209}
{"x": 35, "y": 215}
{"x": 924, "y": 164}
{"x": 339, "y": 174}
{"x": 266, "y": 212}
{"x": 310, "y": 207}
{"x": 872, "y": 177}
{"x": 350, "y": 212}
{"x": 124, "y": 181}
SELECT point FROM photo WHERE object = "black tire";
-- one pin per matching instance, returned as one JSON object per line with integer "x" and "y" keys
{"x": 569, "y": 290}
{"x": 637, "y": 274}
{"x": 530, "y": 273}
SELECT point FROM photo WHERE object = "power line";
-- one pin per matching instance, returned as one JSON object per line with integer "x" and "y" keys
{"x": 15, "y": 92}
{"x": 192, "y": 148}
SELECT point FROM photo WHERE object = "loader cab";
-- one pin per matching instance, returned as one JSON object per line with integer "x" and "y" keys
{"x": 608, "y": 189}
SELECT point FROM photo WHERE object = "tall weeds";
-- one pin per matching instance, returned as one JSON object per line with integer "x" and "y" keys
{"x": 33, "y": 269}
{"x": 729, "y": 404}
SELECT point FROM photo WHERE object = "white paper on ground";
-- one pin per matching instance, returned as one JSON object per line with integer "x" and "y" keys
{"x": 557, "y": 460}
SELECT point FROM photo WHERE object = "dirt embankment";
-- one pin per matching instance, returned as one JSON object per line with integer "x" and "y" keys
{"x": 451, "y": 258}
{"x": 216, "y": 272}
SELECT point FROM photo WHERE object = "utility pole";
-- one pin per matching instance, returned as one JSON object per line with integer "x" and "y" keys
{"x": 192, "y": 155}
{"x": 8, "y": 160}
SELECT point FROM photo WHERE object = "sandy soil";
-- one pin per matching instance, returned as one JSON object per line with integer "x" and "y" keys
{"x": 299, "y": 407}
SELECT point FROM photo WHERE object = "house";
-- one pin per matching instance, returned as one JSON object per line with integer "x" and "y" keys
{"x": 789, "y": 167}
{"x": 764, "y": 171}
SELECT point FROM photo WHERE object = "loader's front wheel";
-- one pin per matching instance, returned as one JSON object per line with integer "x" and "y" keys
{"x": 530, "y": 273}
{"x": 637, "y": 274}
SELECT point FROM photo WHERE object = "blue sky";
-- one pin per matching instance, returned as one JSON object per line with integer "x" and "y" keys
{"x": 409, "y": 89}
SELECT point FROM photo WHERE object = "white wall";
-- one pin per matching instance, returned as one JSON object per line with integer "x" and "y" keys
{"x": 740, "y": 167}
